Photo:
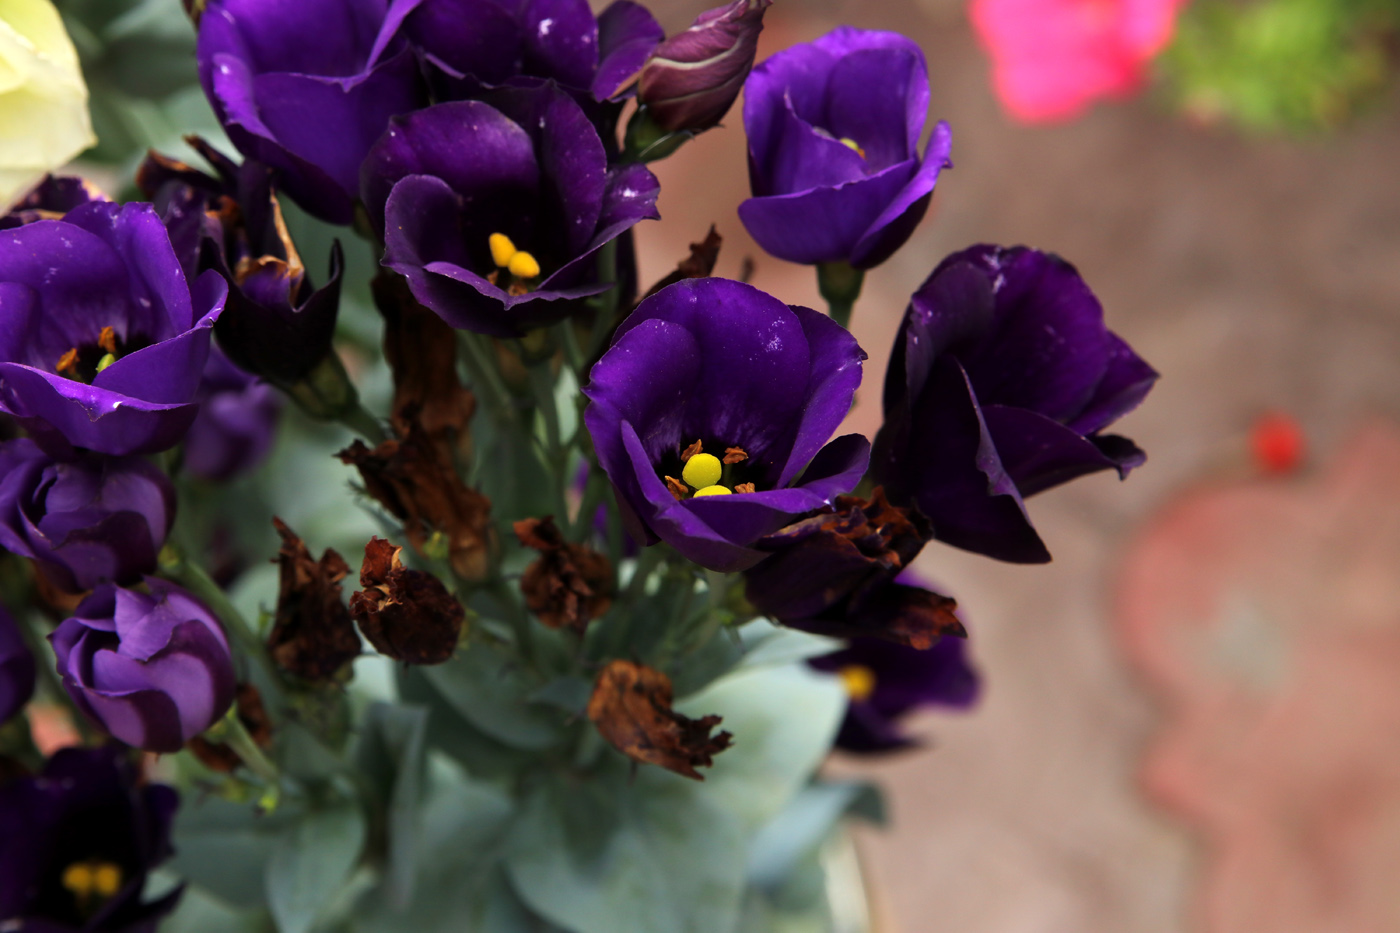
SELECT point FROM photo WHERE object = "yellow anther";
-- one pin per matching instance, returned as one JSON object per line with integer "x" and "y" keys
{"x": 702, "y": 470}
{"x": 106, "y": 879}
{"x": 713, "y": 491}
{"x": 523, "y": 265}
{"x": 851, "y": 144}
{"x": 502, "y": 249}
{"x": 858, "y": 680}
{"x": 107, "y": 360}
{"x": 79, "y": 879}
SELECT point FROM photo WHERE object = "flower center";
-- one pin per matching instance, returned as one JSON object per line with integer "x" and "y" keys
{"x": 83, "y": 363}
{"x": 707, "y": 474}
{"x": 858, "y": 680}
{"x": 92, "y": 882}
{"x": 519, "y": 265}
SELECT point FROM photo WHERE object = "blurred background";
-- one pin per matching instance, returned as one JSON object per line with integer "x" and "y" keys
{"x": 1191, "y": 719}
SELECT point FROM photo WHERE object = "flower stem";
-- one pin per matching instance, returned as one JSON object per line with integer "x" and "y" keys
{"x": 241, "y": 742}
{"x": 359, "y": 420}
{"x": 486, "y": 377}
{"x": 839, "y": 283}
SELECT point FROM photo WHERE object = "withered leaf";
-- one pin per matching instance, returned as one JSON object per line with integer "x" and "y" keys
{"x": 413, "y": 478}
{"x": 219, "y": 757}
{"x": 631, "y": 706}
{"x": 568, "y": 585}
{"x": 312, "y": 635}
{"x": 700, "y": 262}
{"x": 406, "y": 614}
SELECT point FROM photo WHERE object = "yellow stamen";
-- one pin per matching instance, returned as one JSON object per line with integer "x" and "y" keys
{"x": 713, "y": 491}
{"x": 106, "y": 879}
{"x": 851, "y": 144}
{"x": 107, "y": 360}
{"x": 68, "y": 363}
{"x": 107, "y": 340}
{"x": 702, "y": 470}
{"x": 502, "y": 249}
{"x": 78, "y": 878}
{"x": 858, "y": 680}
{"x": 523, "y": 265}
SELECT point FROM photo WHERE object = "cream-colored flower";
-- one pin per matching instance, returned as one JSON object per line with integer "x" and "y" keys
{"x": 44, "y": 118}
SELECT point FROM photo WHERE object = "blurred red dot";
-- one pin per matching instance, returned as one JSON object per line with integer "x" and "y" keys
{"x": 1276, "y": 443}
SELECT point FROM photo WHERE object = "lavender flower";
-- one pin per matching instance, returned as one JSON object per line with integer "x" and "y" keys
{"x": 85, "y": 521}
{"x": 1001, "y": 380}
{"x": 17, "y": 672}
{"x": 307, "y": 87}
{"x": 710, "y": 412}
{"x": 495, "y": 210}
{"x": 153, "y": 670}
{"x": 80, "y": 840}
{"x": 103, "y": 340}
{"x": 833, "y": 129}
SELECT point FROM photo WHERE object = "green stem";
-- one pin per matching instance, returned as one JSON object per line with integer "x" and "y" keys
{"x": 486, "y": 377}
{"x": 542, "y": 384}
{"x": 647, "y": 561}
{"x": 573, "y": 353}
{"x": 359, "y": 420}
{"x": 840, "y": 283}
{"x": 519, "y": 620}
{"x": 238, "y": 739}
{"x": 607, "y": 302}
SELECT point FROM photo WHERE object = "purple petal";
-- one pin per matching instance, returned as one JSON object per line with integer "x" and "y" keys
{"x": 896, "y": 222}
{"x": 627, "y": 34}
{"x": 561, "y": 41}
{"x": 1125, "y": 384}
{"x": 1039, "y": 453}
{"x": 469, "y": 37}
{"x": 836, "y": 371}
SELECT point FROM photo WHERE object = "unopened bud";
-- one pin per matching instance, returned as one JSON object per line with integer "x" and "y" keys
{"x": 692, "y": 78}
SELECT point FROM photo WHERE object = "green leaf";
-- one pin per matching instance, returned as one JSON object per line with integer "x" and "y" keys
{"x": 311, "y": 863}
{"x": 608, "y": 854}
{"x": 803, "y": 825}
{"x": 224, "y": 847}
{"x": 488, "y": 688}
{"x": 455, "y": 736}
{"x": 390, "y": 754}
{"x": 198, "y": 912}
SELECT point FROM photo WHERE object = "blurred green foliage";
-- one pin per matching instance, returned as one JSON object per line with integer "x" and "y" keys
{"x": 1282, "y": 65}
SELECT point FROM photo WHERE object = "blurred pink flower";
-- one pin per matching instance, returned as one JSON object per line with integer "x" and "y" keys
{"x": 1053, "y": 58}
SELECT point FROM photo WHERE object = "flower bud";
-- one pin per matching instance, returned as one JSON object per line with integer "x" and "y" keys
{"x": 153, "y": 670}
{"x": 16, "y": 668}
{"x": 86, "y": 521}
{"x": 237, "y": 421}
{"x": 692, "y": 78}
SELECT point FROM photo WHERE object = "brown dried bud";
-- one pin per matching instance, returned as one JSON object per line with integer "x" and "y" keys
{"x": 631, "y": 705}
{"x": 406, "y": 614}
{"x": 219, "y": 757}
{"x": 569, "y": 584}
{"x": 312, "y": 635}
{"x": 699, "y": 264}
{"x": 418, "y": 483}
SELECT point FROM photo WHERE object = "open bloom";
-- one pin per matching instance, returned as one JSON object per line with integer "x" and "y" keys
{"x": 276, "y": 324}
{"x": 80, "y": 840}
{"x": 153, "y": 670}
{"x": 307, "y": 87}
{"x": 710, "y": 412}
{"x": 84, "y": 521}
{"x": 43, "y": 100}
{"x": 471, "y": 43}
{"x": 833, "y": 129}
{"x": 692, "y": 78}
{"x": 102, "y": 340}
{"x": 17, "y": 671}
{"x": 886, "y": 682}
{"x": 494, "y": 211}
{"x": 999, "y": 385}
{"x": 1052, "y": 58}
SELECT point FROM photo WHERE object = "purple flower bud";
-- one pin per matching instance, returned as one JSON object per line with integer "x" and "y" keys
{"x": 153, "y": 670}
{"x": 692, "y": 78}
{"x": 16, "y": 671}
{"x": 86, "y": 521}
{"x": 999, "y": 385}
{"x": 237, "y": 423}
{"x": 80, "y": 840}
{"x": 53, "y": 197}
{"x": 711, "y": 415}
{"x": 833, "y": 129}
{"x": 104, "y": 339}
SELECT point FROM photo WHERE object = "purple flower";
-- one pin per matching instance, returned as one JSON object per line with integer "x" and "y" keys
{"x": 17, "y": 673}
{"x": 80, "y": 840}
{"x": 833, "y": 129}
{"x": 307, "y": 87}
{"x": 276, "y": 324}
{"x": 494, "y": 211}
{"x": 473, "y": 43}
{"x": 714, "y": 386}
{"x": 886, "y": 681}
{"x": 102, "y": 340}
{"x": 1000, "y": 381}
{"x": 152, "y": 670}
{"x": 237, "y": 423}
{"x": 85, "y": 521}
{"x": 835, "y": 573}
{"x": 53, "y": 197}
{"x": 692, "y": 78}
